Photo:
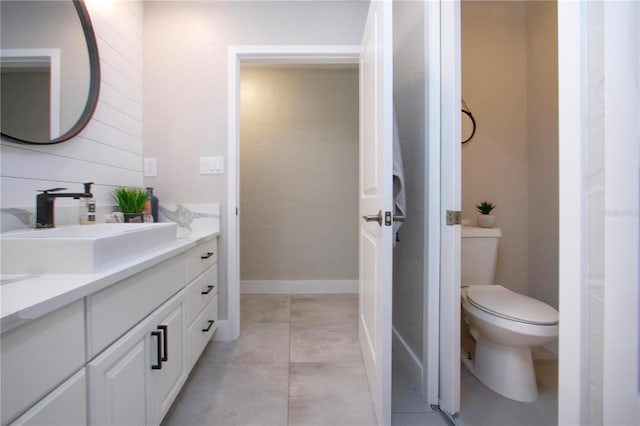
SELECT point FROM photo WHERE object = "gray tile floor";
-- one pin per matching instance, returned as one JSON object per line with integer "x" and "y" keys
{"x": 297, "y": 362}
{"x": 407, "y": 406}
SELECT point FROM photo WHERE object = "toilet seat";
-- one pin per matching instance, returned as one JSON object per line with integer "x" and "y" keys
{"x": 502, "y": 302}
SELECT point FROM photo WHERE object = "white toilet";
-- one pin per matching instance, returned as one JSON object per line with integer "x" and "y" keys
{"x": 504, "y": 324}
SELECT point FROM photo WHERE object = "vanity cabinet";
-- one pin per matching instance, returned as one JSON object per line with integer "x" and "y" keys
{"x": 132, "y": 299}
{"x": 119, "y": 355}
{"x": 202, "y": 313}
{"x": 38, "y": 357}
{"x": 202, "y": 298}
{"x": 136, "y": 379}
{"x": 138, "y": 376}
{"x": 65, "y": 406}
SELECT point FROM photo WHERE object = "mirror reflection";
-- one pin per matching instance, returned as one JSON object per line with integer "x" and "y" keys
{"x": 45, "y": 70}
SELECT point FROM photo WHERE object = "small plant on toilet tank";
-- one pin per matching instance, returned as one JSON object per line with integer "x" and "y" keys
{"x": 485, "y": 218}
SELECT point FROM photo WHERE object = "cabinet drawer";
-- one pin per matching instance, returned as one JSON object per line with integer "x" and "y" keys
{"x": 45, "y": 351}
{"x": 65, "y": 406}
{"x": 201, "y": 291}
{"x": 116, "y": 309}
{"x": 200, "y": 332}
{"x": 201, "y": 257}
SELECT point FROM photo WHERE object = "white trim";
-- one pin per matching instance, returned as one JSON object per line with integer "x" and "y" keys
{"x": 408, "y": 359}
{"x": 224, "y": 333}
{"x": 36, "y": 56}
{"x": 431, "y": 318}
{"x": 450, "y": 195}
{"x": 621, "y": 188}
{"x": 290, "y": 54}
{"x": 299, "y": 287}
{"x": 573, "y": 233}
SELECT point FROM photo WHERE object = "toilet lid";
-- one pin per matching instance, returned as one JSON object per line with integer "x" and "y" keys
{"x": 505, "y": 303}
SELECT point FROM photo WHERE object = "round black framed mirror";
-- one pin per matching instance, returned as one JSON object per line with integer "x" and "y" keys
{"x": 468, "y": 123}
{"x": 50, "y": 70}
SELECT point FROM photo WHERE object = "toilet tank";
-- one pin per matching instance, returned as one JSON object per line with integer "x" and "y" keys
{"x": 479, "y": 255}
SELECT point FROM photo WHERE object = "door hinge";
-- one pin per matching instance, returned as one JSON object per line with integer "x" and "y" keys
{"x": 236, "y": 211}
{"x": 454, "y": 217}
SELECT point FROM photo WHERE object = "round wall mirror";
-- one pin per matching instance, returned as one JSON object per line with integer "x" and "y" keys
{"x": 49, "y": 70}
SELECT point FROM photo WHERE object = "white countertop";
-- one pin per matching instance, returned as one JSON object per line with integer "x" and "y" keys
{"x": 27, "y": 297}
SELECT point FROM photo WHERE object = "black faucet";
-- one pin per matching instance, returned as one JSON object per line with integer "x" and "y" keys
{"x": 45, "y": 203}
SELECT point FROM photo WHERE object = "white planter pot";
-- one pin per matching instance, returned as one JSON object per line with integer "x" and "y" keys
{"x": 486, "y": 220}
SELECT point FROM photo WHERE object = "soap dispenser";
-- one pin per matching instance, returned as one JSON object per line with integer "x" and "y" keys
{"x": 88, "y": 206}
{"x": 153, "y": 203}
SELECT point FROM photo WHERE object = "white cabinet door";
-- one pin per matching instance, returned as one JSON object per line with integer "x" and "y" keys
{"x": 136, "y": 379}
{"x": 39, "y": 356}
{"x": 118, "y": 379}
{"x": 65, "y": 406}
{"x": 169, "y": 378}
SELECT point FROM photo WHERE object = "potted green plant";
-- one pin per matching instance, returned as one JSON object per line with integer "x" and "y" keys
{"x": 485, "y": 218}
{"x": 131, "y": 201}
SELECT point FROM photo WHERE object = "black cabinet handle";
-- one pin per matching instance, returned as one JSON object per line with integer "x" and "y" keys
{"x": 158, "y": 365}
{"x": 165, "y": 352}
{"x": 206, "y": 256}
{"x": 209, "y": 288}
{"x": 211, "y": 322}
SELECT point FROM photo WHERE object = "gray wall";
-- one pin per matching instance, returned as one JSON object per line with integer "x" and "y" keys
{"x": 509, "y": 80}
{"x": 542, "y": 142}
{"x": 299, "y": 173}
{"x": 409, "y": 263}
{"x": 494, "y": 162}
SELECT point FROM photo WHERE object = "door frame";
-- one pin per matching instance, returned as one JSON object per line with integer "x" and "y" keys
{"x": 266, "y": 54}
{"x": 35, "y": 58}
{"x": 573, "y": 357}
{"x": 444, "y": 159}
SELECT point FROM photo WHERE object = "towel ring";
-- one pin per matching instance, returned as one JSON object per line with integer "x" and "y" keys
{"x": 465, "y": 110}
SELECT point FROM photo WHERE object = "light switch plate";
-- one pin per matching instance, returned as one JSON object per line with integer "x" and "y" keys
{"x": 211, "y": 165}
{"x": 150, "y": 167}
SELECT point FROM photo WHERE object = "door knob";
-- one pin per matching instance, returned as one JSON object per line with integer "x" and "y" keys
{"x": 377, "y": 218}
{"x": 388, "y": 218}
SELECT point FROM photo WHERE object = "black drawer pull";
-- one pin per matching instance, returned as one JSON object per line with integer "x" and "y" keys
{"x": 165, "y": 353}
{"x": 209, "y": 288}
{"x": 211, "y": 322}
{"x": 157, "y": 366}
{"x": 206, "y": 256}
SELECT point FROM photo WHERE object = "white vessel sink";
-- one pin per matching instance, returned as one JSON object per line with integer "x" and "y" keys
{"x": 81, "y": 249}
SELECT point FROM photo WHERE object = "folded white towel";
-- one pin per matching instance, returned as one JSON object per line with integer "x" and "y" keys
{"x": 400, "y": 202}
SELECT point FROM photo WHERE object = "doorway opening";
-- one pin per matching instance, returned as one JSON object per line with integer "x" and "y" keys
{"x": 297, "y": 151}
{"x": 238, "y": 57}
{"x": 299, "y": 178}
{"x": 509, "y": 80}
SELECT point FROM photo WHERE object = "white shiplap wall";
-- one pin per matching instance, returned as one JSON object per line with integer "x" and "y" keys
{"x": 109, "y": 150}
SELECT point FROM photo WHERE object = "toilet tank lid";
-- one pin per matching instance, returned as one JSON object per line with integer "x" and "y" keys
{"x": 477, "y": 232}
{"x": 505, "y": 303}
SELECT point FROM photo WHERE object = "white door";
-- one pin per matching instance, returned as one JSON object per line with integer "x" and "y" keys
{"x": 450, "y": 194}
{"x": 376, "y": 113}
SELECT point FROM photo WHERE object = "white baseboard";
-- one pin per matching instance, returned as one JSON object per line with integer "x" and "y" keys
{"x": 408, "y": 359}
{"x": 298, "y": 286}
{"x": 223, "y": 332}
